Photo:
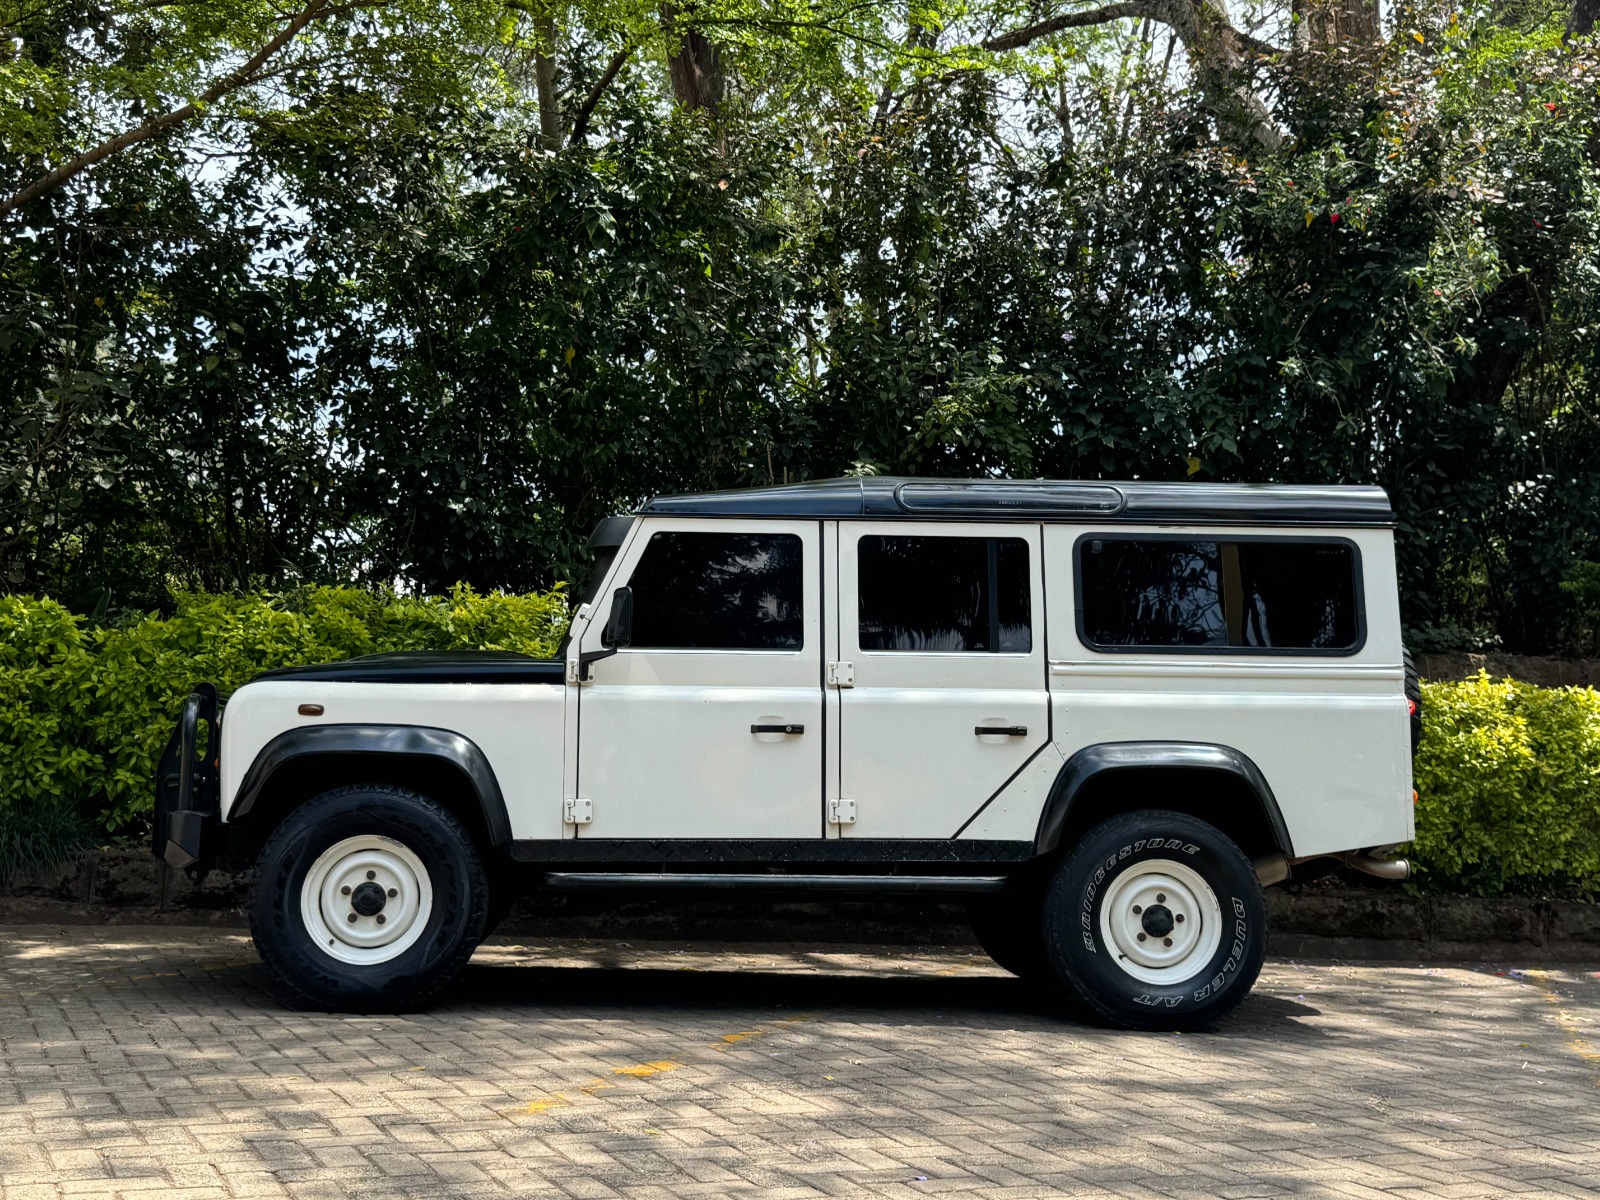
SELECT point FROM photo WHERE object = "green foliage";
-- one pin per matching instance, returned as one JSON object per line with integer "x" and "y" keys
{"x": 1508, "y": 778}
{"x": 84, "y": 714}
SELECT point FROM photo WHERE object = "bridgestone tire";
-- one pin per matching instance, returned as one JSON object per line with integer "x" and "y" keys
{"x": 1167, "y": 875}
{"x": 423, "y": 842}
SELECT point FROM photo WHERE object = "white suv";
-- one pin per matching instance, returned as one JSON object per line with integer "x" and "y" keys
{"x": 1106, "y": 714}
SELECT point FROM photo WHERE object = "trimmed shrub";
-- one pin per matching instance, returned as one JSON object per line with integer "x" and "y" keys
{"x": 1508, "y": 780}
{"x": 84, "y": 714}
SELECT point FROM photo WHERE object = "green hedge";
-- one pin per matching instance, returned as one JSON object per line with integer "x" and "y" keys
{"x": 1508, "y": 773}
{"x": 84, "y": 713}
{"x": 1508, "y": 779}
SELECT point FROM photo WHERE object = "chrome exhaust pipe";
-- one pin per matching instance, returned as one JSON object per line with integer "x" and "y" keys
{"x": 1383, "y": 868}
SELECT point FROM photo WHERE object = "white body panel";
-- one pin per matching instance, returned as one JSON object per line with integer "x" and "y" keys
{"x": 1328, "y": 732}
{"x": 665, "y": 747}
{"x": 909, "y": 754}
{"x": 517, "y": 726}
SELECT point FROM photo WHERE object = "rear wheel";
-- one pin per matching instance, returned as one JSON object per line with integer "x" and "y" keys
{"x": 368, "y": 898}
{"x": 1155, "y": 920}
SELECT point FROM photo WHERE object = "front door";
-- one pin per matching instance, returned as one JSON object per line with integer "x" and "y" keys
{"x": 709, "y": 725}
{"x": 943, "y": 630}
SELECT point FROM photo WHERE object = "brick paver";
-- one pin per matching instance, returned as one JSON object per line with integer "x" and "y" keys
{"x": 150, "y": 1063}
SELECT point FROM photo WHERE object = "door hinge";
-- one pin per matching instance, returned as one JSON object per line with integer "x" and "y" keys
{"x": 574, "y": 673}
{"x": 842, "y": 812}
{"x": 841, "y": 674}
{"x": 579, "y": 812}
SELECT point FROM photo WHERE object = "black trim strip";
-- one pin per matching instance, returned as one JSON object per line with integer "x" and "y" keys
{"x": 429, "y": 666}
{"x": 768, "y": 850}
{"x": 864, "y": 885}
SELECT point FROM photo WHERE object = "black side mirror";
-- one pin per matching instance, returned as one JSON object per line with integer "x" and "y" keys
{"x": 619, "y": 629}
{"x": 617, "y": 634}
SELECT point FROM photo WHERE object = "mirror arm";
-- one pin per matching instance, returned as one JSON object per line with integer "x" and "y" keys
{"x": 592, "y": 656}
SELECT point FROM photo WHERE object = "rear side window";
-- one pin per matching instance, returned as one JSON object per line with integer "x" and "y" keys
{"x": 1250, "y": 594}
{"x": 719, "y": 591}
{"x": 944, "y": 595}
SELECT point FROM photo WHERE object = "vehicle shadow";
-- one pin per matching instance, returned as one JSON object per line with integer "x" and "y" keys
{"x": 989, "y": 1001}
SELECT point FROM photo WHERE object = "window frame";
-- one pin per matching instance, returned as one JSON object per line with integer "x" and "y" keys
{"x": 1035, "y": 633}
{"x": 1220, "y": 537}
{"x": 600, "y": 618}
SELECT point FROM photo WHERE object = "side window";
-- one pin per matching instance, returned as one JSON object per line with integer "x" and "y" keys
{"x": 718, "y": 591}
{"x": 1256, "y": 594}
{"x": 944, "y": 594}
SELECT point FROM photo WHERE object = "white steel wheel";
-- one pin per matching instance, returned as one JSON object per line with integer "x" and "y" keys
{"x": 1161, "y": 921}
{"x": 366, "y": 900}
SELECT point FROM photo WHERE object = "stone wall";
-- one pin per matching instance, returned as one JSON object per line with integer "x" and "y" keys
{"x": 1546, "y": 672}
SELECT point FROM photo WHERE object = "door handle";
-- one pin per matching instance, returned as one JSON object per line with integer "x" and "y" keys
{"x": 777, "y": 729}
{"x": 1001, "y": 731}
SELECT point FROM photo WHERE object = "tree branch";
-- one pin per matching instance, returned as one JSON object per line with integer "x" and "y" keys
{"x": 580, "y": 122}
{"x": 230, "y": 82}
{"x": 1018, "y": 38}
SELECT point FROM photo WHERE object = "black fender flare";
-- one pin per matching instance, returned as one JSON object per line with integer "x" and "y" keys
{"x": 386, "y": 742}
{"x": 1094, "y": 761}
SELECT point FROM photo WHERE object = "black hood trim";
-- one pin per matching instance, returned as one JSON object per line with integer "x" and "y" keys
{"x": 429, "y": 666}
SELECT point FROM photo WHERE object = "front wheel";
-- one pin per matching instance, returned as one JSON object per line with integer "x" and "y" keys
{"x": 368, "y": 898}
{"x": 1156, "y": 920}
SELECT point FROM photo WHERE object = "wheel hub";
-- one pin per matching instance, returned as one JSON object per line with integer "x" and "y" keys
{"x": 368, "y": 899}
{"x": 1161, "y": 921}
{"x": 1157, "y": 920}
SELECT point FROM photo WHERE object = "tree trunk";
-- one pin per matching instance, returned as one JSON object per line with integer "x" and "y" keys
{"x": 694, "y": 63}
{"x": 551, "y": 130}
{"x": 1584, "y": 15}
{"x": 1329, "y": 24}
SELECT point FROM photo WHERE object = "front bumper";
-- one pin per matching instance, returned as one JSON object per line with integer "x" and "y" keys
{"x": 187, "y": 825}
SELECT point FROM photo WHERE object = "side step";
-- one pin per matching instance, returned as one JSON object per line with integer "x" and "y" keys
{"x": 717, "y": 881}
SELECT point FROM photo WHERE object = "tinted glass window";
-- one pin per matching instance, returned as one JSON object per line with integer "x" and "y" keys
{"x": 723, "y": 591}
{"x": 1152, "y": 593}
{"x": 949, "y": 594}
{"x": 1247, "y": 594}
{"x": 1299, "y": 595}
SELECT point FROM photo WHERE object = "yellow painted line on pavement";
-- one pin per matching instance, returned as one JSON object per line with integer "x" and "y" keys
{"x": 646, "y": 1070}
{"x": 1565, "y": 1020}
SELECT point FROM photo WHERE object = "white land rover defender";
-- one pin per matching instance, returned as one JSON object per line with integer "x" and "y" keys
{"x": 1106, "y": 714}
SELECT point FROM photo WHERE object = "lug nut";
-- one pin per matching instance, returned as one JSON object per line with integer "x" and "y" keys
{"x": 1141, "y": 937}
{"x": 393, "y": 892}
{"x": 380, "y": 922}
{"x": 1166, "y": 941}
{"x": 1178, "y": 918}
{"x": 1161, "y": 897}
{"x": 352, "y": 918}
{"x": 1137, "y": 909}
{"x": 344, "y": 891}
{"x": 372, "y": 874}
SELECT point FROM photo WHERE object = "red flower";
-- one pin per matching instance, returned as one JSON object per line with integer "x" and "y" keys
{"x": 1334, "y": 217}
{"x": 1550, "y": 105}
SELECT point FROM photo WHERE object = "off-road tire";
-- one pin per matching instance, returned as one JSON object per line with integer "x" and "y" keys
{"x": 1111, "y": 862}
{"x": 452, "y": 929}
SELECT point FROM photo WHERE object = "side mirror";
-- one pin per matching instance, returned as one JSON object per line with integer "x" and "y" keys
{"x": 619, "y": 629}
{"x": 617, "y": 634}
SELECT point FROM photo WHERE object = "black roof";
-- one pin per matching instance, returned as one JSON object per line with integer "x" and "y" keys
{"x": 884, "y": 496}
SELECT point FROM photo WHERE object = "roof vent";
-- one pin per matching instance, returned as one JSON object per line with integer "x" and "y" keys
{"x": 1009, "y": 498}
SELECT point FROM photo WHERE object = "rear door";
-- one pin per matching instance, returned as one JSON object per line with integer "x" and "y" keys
{"x": 709, "y": 726}
{"x": 942, "y": 629}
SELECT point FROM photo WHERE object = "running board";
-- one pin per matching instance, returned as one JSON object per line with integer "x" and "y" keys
{"x": 716, "y": 881}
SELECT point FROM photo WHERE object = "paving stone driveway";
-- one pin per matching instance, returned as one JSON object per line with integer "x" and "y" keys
{"x": 147, "y": 1062}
